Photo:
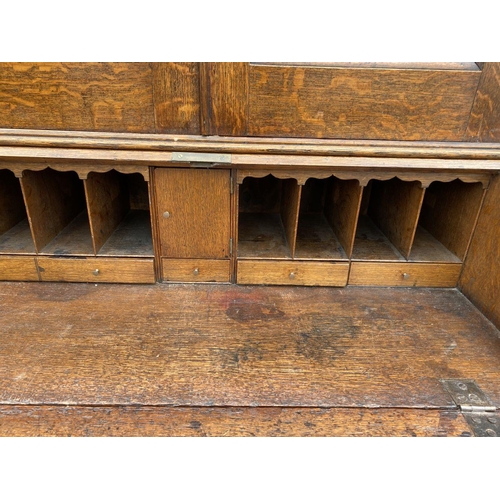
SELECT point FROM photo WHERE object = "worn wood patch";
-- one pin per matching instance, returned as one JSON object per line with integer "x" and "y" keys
{"x": 227, "y": 422}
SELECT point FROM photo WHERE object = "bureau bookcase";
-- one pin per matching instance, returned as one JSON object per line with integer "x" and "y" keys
{"x": 248, "y": 248}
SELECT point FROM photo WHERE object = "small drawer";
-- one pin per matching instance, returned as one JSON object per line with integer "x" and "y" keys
{"x": 196, "y": 270}
{"x": 18, "y": 269}
{"x": 276, "y": 272}
{"x": 404, "y": 274}
{"x": 97, "y": 270}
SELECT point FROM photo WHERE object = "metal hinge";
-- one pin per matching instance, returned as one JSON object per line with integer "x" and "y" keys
{"x": 230, "y": 247}
{"x": 231, "y": 189}
{"x": 203, "y": 158}
{"x": 475, "y": 406}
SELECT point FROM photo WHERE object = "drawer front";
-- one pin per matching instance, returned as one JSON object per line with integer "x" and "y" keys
{"x": 97, "y": 270}
{"x": 267, "y": 272}
{"x": 404, "y": 274}
{"x": 18, "y": 269}
{"x": 196, "y": 270}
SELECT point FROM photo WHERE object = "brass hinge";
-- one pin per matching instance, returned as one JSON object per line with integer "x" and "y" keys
{"x": 230, "y": 247}
{"x": 231, "y": 188}
{"x": 201, "y": 158}
{"x": 475, "y": 406}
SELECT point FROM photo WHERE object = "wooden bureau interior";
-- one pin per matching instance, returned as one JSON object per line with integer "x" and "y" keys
{"x": 245, "y": 216}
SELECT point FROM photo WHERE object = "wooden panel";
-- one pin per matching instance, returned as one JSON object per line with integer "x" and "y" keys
{"x": 77, "y": 96}
{"x": 290, "y": 202}
{"x": 480, "y": 280}
{"x": 395, "y": 208}
{"x": 404, "y": 274}
{"x": 107, "y": 204}
{"x": 18, "y": 269}
{"x": 198, "y": 203}
{"x": 12, "y": 210}
{"x": 484, "y": 122}
{"x": 225, "y": 345}
{"x": 449, "y": 213}
{"x": 177, "y": 97}
{"x": 360, "y": 103}
{"x": 147, "y": 421}
{"x": 53, "y": 199}
{"x": 224, "y": 102}
{"x": 342, "y": 208}
{"x": 426, "y": 248}
{"x": 97, "y": 270}
{"x": 196, "y": 270}
{"x": 292, "y": 273}
{"x": 469, "y": 66}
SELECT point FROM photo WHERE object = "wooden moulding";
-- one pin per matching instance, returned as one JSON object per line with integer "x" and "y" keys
{"x": 35, "y": 140}
{"x": 404, "y": 274}
{"x": 256, "y": 272}
{"x": 196, "y": 270}
{"x": 97, "y": 270}
{"x": 56, "y": 207}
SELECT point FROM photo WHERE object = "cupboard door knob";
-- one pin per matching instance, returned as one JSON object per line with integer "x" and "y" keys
{"x": 196, "y": 271}
{"x": 166, "y": 215}
{"x": 292, "y": 276}
{"x": 406, "y": 276}
{"x": 96, "y": 272}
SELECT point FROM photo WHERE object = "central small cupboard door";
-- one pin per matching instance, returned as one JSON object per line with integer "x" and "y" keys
{"x": 194, "y": 212}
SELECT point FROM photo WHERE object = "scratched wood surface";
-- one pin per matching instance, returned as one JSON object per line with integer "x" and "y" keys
{"x": 65, "y": 421}
{"x": 77, "y": 96}
{"x": 224, "y": 345}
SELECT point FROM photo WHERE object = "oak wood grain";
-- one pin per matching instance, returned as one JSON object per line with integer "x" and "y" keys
{"x": 147, "y": 421}
{"x": 199, "y": 206}
{"x": 450, "y": 212}
{"x": 77, "y": 96}
{"x": 18, "y": 269}
{"x": 53, "y": 199}
{"x": 176, "y": 88}
{"x": 17, "y": 240}
{"x": 404, "y": 274}
{"x": 355, "y": 103}
{"x": 480, "y": 280}
{"x": 96, "y": 270}
{"x": 195, "y": 270}
{"x": 276, "y": 272}
{"x": 484, "y": 122}
{"x": 227, "y": 345}
{"x": 224, "y": 99}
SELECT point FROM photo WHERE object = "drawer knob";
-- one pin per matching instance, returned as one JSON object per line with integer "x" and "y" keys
{"x": 406, "y": 276}
{"x": 292, "y": 276}
{"x": 166, "y": 215}
{"x": 95, "y": 272}
{"x": 196, "y": 271}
